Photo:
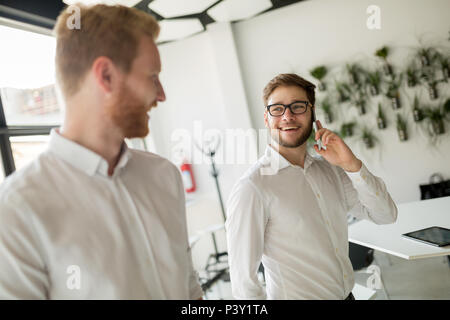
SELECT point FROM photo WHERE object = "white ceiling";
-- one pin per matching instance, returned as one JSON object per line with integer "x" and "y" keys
{"x": 176, "y": 8}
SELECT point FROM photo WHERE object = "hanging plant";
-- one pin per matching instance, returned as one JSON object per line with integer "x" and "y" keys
{"x": 426, "y": 56}
{"x": 417, "y": 112}
{"x": 445, "y": 68}
{"x": 428, "y": 79}
{"x": 355, "y": 72}
{"x": 347, "y": 129}
{"x": 393, "y": 91}
{"x": 326, "y": 107}
{"x": 383, "y": 53}
{"x": 373, "y": 82}
{"x": 361, "y": 105}
{"x": 446, "y": 108}
{"x": 401, "y": 128}
{"x": 411, "y": 75}
{"x": 368, "y": 137}
{"x": 436, "y": 117}
{"x": 319, "y": 73}
{"x": 432, "y": 90}
{"x": 381, "y": 120}
{"x": 343, "y": 90}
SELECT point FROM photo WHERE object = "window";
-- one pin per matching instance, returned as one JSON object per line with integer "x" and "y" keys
{"x": 29, "y": 104}
{"x": 26, "y": 148}
{"x": 2, "y": 172}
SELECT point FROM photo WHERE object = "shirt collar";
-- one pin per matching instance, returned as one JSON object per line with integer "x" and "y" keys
{"x": 82, "y": 158}
{"x": 278, "y": 162}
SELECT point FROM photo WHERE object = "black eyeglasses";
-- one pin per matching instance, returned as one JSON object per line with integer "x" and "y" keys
{"x": 296, "y": 107}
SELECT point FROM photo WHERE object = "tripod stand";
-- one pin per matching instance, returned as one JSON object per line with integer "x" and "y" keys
{"x": 209, "y": 149}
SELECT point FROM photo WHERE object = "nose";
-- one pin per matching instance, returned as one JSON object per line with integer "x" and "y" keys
{"x": 161, "y": 95}
{"x": 288, "y": 114}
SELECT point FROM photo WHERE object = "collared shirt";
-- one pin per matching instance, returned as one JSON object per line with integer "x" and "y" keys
{"x": 294, "y": 220}
{"x": 70, "y": 231}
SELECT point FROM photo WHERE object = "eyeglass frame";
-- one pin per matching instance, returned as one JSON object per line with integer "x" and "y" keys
{"x": 286, "y": 106}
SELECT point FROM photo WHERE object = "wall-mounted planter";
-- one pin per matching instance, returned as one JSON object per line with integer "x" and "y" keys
{"x": 387, "y": 69}
{"x": 401, "y": 128}
{"x": 328, "y": 117}
{"x": 402, "y": 135}
{"x": 368, "y": 142}
{"x": 432, "y": 91}
{"x": 424, "y": 60}
{"x": 438, "y": 126}
{"x": 411, "y": 81}
{"x": 395, "y": 102}
{"x": 445, "y": 74}
{"x": 374, "y": 90}
{"x": 361, "y": 105}
{"x": 347, "y": 129}
{"x": 417, "y": 115}
{"x": 322, "y": 86}
{"x": 381, "y": 123}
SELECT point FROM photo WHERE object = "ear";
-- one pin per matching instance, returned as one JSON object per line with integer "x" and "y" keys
{"x": 266, "y": 120}
{"x": 106, "y": 74}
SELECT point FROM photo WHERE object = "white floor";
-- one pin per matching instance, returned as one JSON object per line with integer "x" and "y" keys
{"x": 403, "y": 279}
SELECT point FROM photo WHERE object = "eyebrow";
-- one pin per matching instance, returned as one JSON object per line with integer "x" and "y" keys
{"x": 297, "y": 100}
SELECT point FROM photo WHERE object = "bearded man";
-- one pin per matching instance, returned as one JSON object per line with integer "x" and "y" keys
{"x": 91, "y": 218}
{"x": 289, "y": 211}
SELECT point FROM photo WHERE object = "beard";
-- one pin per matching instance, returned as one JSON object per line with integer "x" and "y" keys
{"x": 277, "y": 137}
{"x": 129, "y": 113}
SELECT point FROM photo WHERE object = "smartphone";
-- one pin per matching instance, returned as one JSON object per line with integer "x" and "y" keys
{"x": 319, "y": 142}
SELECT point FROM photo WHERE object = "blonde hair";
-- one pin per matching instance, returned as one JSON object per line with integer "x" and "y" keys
{"x": 111, "y": 31}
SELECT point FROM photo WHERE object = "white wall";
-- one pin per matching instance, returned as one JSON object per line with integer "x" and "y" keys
{"x": 299, "y": 37}
{"x": 204, "y": 92}
{"x": 217, "y": 78}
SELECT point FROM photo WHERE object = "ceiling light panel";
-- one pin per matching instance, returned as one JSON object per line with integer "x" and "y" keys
{"x": 178, "y": 29}
{"x": 177, "y": 8}
{"x": 232, "y": 10}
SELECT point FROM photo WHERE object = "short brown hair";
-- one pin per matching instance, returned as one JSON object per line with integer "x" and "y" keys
{"x": 111, "y": 31}
{"x": 286, "y": 80}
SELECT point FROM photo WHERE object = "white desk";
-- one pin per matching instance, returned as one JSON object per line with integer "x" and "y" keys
{"x": 411, "y": 216}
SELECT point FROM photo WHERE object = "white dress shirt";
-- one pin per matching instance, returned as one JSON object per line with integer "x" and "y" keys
{"x": 294, "y": 220}
{"x": 70, "y": 231}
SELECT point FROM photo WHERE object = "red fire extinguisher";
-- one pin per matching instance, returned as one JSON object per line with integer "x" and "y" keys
{"x": 188, "y": 177}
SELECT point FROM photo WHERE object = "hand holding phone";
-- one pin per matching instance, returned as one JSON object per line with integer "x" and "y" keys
{"x": 319, "y": 141}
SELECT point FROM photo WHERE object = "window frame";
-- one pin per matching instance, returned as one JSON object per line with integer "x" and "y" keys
{"x": 13, "y": 131}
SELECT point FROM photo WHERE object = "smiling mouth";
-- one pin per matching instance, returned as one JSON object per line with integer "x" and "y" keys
{"x": 289, "y": 129}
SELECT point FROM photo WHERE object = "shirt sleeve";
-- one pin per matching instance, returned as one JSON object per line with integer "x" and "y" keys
{"x": 23, "y": 273}
{"x": 367, "y": 197}
{"x": 245, "y": 226}
{"x": 195, "y": 290}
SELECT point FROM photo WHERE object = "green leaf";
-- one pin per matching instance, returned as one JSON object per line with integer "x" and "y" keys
{"x": 319, "y": 72}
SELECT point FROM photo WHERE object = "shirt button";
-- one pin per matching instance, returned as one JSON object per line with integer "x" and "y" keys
{"x": 318, "y": 196}
{"x": 345, "y": 276}
{"x": 336, "y": 250}
{"x": 377, "y": 193}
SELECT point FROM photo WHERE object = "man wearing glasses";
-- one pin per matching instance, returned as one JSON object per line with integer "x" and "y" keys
{"x": 289, "y": 211}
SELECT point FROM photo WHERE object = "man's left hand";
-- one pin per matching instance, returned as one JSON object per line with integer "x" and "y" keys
{"x": 337, "y": 152}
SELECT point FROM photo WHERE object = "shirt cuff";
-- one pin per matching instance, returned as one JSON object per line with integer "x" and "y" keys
{"x": 359, "y": 177}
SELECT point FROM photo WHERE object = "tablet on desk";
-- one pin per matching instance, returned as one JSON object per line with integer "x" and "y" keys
{"x": 436, "y": 236}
